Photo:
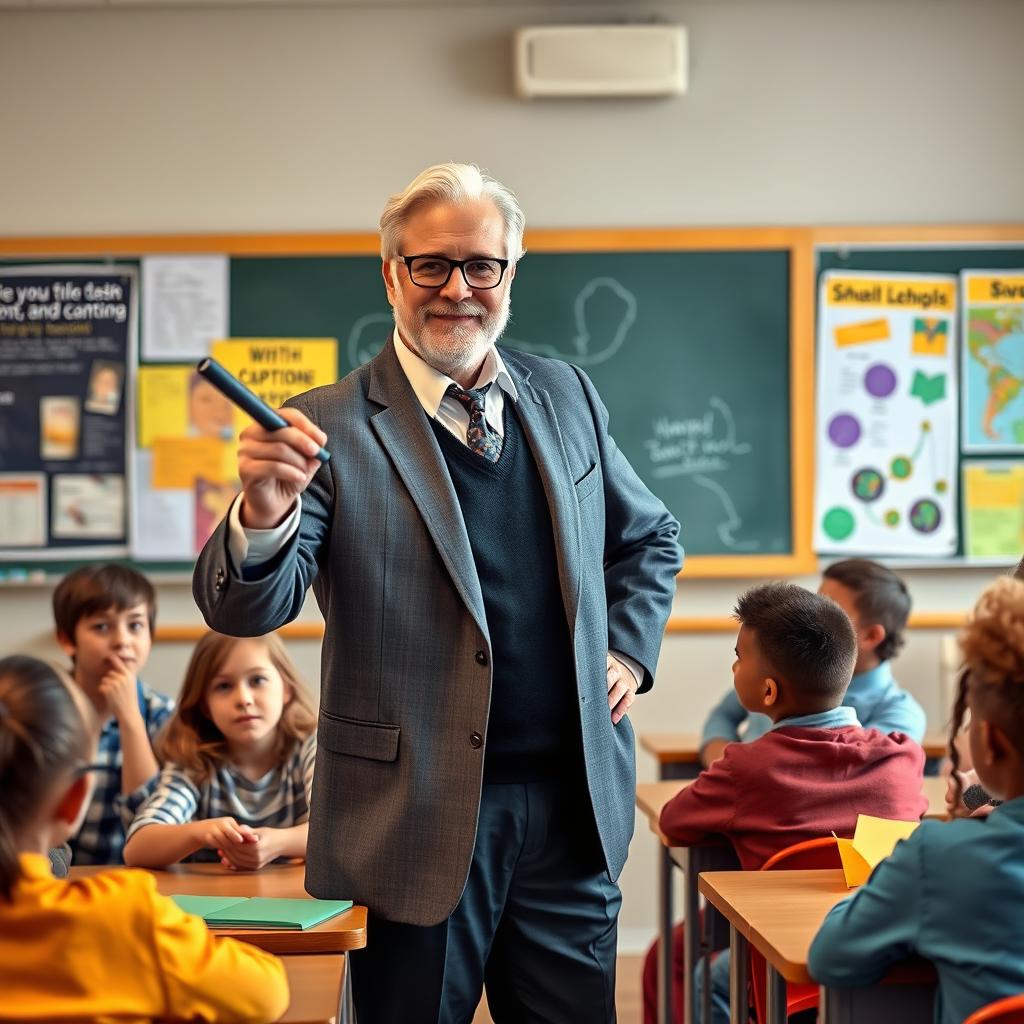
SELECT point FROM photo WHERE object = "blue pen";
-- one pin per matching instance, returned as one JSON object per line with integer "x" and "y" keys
{"x": 249, "y": 403}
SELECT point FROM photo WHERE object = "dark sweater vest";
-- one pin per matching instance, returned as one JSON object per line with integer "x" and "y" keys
{"x": 533, "y": 730}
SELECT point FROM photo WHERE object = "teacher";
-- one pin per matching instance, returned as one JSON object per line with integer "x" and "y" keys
{"x": 495, "y": 581}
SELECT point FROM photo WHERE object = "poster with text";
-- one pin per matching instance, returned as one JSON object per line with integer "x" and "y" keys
{"x": 885, "y": 432}
{"x": 993, "y": 499}
{"x": 992, "y": 371}
{"x": 67, "y": 357}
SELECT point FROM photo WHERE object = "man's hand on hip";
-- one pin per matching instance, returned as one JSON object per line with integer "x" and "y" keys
{"x": 275, "y": 467}
{"x": 622, "y": 687}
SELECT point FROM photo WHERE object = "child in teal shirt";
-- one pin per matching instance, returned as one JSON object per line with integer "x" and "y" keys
{"x": 953, "y": 893}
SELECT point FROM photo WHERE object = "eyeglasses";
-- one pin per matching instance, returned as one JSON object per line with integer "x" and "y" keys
{"x": 84, "y": 769}
{"x": 479, "y": 272}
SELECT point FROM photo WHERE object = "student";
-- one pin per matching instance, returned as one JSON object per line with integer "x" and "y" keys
{"x": 238, "y": 755}
{"x": 104, "y": 617}
{"x": 878, "y": 604}
{"x": 815, "y": 770}
{"x": 953, "y": 893}
{"x": 107, "y": 946}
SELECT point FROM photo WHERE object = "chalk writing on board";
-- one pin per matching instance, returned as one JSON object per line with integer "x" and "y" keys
{"x": 603, "y": 312}
{"x": 699, "y": 447}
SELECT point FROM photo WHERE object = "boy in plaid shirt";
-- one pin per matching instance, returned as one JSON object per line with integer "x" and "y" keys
{"x": 104, "y": 616}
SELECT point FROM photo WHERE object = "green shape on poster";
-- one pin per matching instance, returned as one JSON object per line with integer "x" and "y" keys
{"x": 929, "y": 389}
{"x": 838, "y": 523}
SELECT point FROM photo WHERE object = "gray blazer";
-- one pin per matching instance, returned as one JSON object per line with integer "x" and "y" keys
{"x": 406, "y": 665}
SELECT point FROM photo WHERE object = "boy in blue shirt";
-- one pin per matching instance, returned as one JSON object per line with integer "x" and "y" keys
{"x": 104, "y": 617}
{"x": 878, "y": 604}
{"x": 953, "y": 892}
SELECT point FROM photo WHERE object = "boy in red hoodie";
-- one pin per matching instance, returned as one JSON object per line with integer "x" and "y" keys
{"x": 816, "y": 769}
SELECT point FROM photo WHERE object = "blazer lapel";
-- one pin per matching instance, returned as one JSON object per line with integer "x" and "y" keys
{"x": 540, "y": 425}
{"x": 409, "y": 441}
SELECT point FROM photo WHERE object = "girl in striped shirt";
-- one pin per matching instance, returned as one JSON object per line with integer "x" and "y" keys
{"x": 238, "y": 758}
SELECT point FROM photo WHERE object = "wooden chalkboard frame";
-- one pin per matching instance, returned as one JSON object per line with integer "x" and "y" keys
{"x": 797, "y": 242}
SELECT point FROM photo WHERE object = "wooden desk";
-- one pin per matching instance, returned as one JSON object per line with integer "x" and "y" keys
{"x": 316, "y": 983}
{"x": 338, "y": 935}
{"x": 651, "y": 797}
{"x": 678, "y": 753}
{"x": 779, "y": 913}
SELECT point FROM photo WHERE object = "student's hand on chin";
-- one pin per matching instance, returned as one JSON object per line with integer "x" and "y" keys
{"x": 117, "y": 688}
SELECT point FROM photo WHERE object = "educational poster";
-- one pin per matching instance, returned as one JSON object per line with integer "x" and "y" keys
{"x": 885, "y": 435}
{"x": 993, "y": 517}
{"x": 993, "y": 360}
{"x": 67, "y": 348}
{"x": 184, "y": 306}
{"x": 188, "y": 437}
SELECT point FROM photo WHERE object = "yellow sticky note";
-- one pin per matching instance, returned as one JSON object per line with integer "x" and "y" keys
{"x": 163, "y": 402}
{"x": 862, "y": 333}
{"x": 931, "y": 336}
{"x": 178, "y": 461}
{"x": 873, "y": 840}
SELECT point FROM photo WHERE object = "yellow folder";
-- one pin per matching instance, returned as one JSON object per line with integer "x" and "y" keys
{"x": 873, "y": 840}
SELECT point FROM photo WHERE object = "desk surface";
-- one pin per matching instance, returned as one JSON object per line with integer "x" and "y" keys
{"x": 338, "y": 935}
{"x": 779, "y": 913}
{"x": 684, "y": 747}
{"x": 315, "y": 984}
{"x": 652, "y": 796}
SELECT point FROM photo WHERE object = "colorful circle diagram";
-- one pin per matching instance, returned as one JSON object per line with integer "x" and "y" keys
{"x": 844, "y": 430}
{"x": 880, "y": 380}
{"x": 925, "y": 516}
{"x": 868, "y": 485}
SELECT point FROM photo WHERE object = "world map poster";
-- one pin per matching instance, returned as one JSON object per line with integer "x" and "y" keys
{"x": 886, "y": 415}
{"x": 993, "y": 361}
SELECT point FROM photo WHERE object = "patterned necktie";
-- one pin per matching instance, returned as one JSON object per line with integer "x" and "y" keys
{"x": 480, "y": 437}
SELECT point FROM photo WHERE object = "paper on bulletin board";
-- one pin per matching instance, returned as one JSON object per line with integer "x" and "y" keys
{"x": 163, "y": 521}
{"x": 886, "y": 447}
{"x": 993, "y": 504}
{"x": 179, "y": 461}
{"x": 184, "y": 306}
{"x": 873, "y": 840}
{"x": 23, "y": 509}
{"x": 277, "y": 369}
{"x": 993, "y": 360}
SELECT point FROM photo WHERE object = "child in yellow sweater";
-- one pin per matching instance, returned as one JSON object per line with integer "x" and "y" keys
{"x": 108, "y": 946}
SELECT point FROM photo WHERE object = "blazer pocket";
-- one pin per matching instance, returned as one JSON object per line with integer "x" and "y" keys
{"x": 358, "y": 739}
{"x": 588, "y": 483}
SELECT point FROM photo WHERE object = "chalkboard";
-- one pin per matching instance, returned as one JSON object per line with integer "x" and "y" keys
{"x": 690, "y": 338}
{"x": 938, "y": 258}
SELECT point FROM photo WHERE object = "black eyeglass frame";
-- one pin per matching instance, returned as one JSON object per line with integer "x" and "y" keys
{"x": 452, "y": 264}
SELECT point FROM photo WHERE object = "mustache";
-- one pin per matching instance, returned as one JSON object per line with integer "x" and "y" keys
{"x": 455, "y": 309}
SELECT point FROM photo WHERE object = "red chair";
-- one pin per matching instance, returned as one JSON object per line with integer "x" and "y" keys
{"x": 814, "y": 854}
{"x": 1003, "y": 1011}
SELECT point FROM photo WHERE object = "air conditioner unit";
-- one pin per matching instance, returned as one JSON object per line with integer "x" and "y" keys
{"x": 601, "y": 60}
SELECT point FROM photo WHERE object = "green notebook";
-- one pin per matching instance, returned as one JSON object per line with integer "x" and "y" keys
{"x": 261, "y": 911}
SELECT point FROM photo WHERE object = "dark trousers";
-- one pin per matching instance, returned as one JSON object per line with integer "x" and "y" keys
{"x": 536, "y": 925}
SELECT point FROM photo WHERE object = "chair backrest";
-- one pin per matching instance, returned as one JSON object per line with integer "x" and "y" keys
{"x": 1003, "y": 1011}
{"x": 810, "y": 855}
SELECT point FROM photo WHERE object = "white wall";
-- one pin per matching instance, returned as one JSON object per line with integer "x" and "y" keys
{"x": 264, "y": 119}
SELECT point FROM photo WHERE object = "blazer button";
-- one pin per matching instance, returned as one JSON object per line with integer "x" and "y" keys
{"x": 476, "y": 741}
{"x": 481, "y": 657}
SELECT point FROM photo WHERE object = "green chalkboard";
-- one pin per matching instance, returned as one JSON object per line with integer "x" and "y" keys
{"x": 689, "y": 347}
{"x": 925, "y": 259}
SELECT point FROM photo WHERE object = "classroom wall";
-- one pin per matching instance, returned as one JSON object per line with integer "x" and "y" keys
{"x": 273, "y": 119}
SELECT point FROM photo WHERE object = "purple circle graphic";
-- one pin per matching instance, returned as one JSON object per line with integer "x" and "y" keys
{"x": 844, "y": 430}
{"x": 880, "y": 380}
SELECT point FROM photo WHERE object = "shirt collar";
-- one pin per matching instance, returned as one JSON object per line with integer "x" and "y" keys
{"x": 836, "y": 718}
{"x": 430, "y": 385}
{"x": 35, "y": 866}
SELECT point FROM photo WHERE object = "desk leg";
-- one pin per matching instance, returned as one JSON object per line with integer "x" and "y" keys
{"x": 737, "y": 978}
{"x": 776, "y": 998}
{"x": 346, "y": 1009}
{"x": 665, "y": 1001}
{"x": 881, "y": 1004}
{"x": 691, "y": 932}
